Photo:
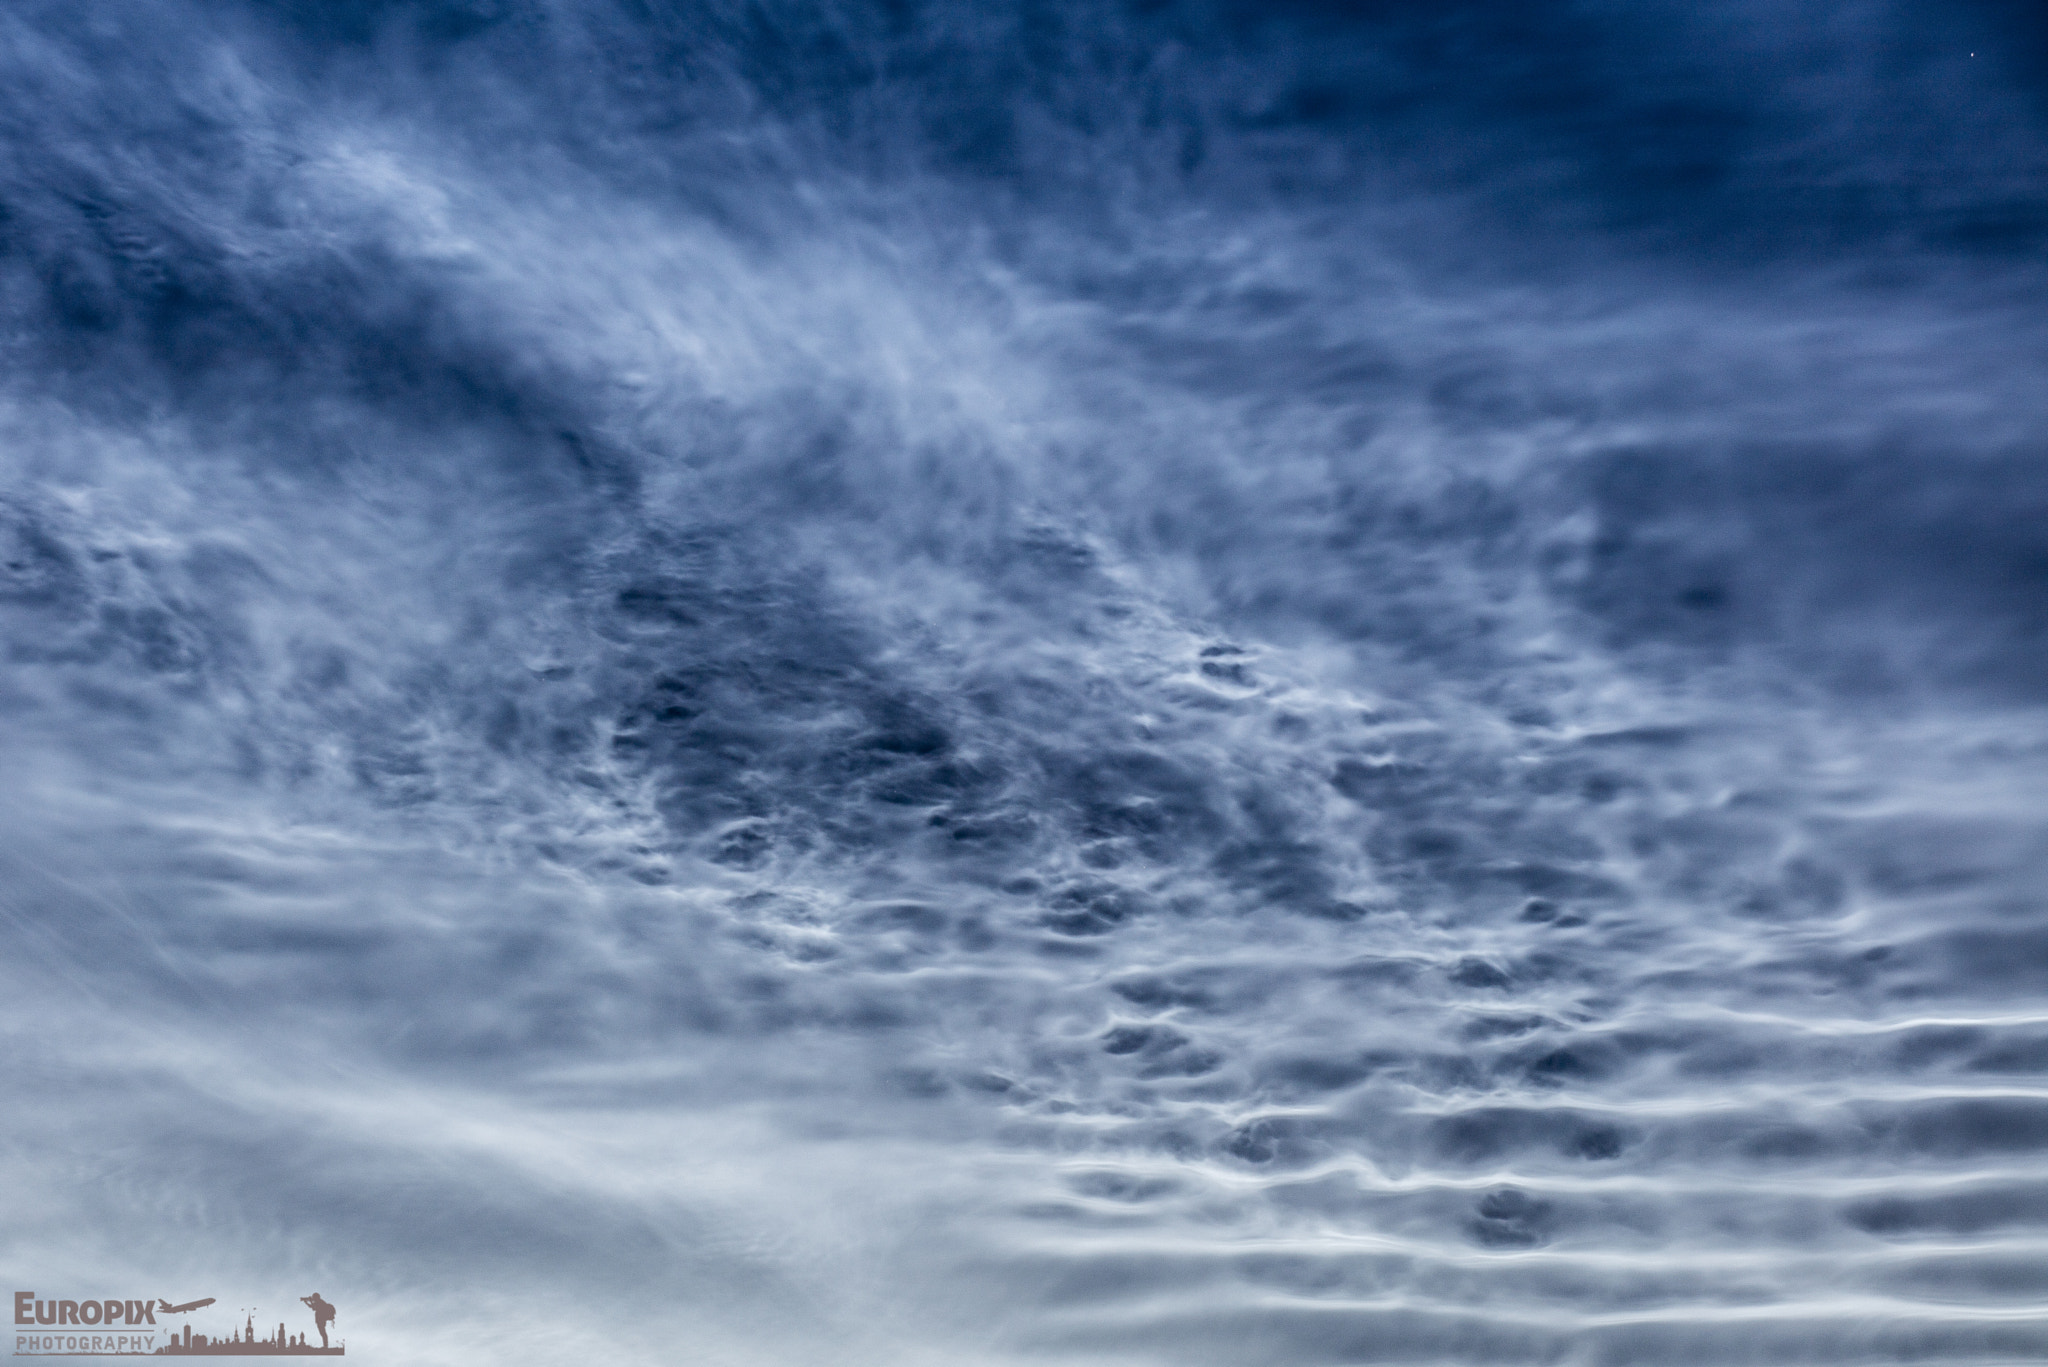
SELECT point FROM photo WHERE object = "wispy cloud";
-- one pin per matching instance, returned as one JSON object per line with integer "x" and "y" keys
{"x": 1204, "y": 683}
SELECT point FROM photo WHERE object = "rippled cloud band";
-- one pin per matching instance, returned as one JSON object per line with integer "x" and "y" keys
{"x": 928, "y": 683}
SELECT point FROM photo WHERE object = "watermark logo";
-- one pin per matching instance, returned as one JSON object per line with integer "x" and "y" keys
{"x": 130, "y": 1328}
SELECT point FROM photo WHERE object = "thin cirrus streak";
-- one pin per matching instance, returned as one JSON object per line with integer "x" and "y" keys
{"x": 1191, "y": 683}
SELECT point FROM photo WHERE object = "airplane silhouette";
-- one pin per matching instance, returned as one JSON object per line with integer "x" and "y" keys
{"x": 164, "y": 1307}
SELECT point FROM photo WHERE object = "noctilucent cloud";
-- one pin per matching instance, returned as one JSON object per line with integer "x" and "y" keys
{"x": 916, "y": 684}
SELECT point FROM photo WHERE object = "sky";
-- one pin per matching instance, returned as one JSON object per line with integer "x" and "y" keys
{"x": 989, "y": 684}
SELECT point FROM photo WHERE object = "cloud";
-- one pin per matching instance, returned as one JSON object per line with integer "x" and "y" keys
{"x": 957, "y": 682}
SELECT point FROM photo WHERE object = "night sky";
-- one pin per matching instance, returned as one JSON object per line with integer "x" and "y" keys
{"x": 1080, "y": 685}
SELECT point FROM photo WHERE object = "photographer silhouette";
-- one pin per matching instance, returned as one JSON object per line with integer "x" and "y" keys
{"x": 323, "y": 1314}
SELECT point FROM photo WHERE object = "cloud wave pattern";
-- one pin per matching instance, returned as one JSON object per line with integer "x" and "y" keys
{"x": 1193, "y": 683}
